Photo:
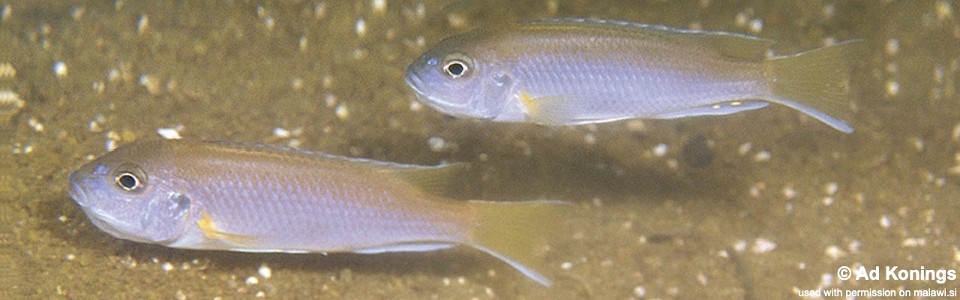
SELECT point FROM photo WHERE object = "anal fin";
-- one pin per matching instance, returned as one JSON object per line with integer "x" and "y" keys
{"x": 717, "y": 109}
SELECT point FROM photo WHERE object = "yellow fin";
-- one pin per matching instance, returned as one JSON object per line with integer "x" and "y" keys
{"x": 548, "y": 110}
{"x": 209, "y": 230}
{"x": 518, "y": 232}
{"x": 430, "y": 179}
{"x": 817, "y": 82}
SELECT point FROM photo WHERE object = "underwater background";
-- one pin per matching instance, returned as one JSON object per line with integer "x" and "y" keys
{"x": 756, "y": 205}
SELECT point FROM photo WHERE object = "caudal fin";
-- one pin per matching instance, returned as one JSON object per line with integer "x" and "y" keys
{"x": 516, "y": 232}
{"x": 816, "y": 82}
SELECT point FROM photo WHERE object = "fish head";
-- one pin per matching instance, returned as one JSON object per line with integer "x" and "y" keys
{"x": 458, "y": 82}
{"x": 129, "y": 195}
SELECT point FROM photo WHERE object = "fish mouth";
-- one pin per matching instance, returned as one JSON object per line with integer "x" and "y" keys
{"x": 76, "y": 191}
{"x": 414, "y": 81}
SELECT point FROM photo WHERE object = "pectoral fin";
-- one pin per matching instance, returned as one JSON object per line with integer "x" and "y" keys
{"x": 549, "y": 110}
{"x": 210, "y": 231}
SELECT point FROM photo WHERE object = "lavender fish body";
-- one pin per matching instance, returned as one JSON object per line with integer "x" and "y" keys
{"x": 255, "y": 198}
{"x": 577, "y": 71}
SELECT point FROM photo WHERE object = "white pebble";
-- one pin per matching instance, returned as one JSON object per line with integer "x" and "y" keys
{"x": 251, "y": 280}
{"x": 169, "y": 133}
{"x": 152, "y": 84}
{"x": 281, "y": 133}
{"x": 320, "y": 10}
{"x": 742, "y": 19}
{"x": 436, "y": 144}
{"x": 360, "y": 27}
{"x": 893, "y": 46}
{"x": 762, "y": 156}
{"x": 660, "y": 150}
{"x": 744, "y": 148}
{"x": 60, "y": 69}
{"x": 590, "y": 138}
{"x": 379, "y": 6}
{"x": 885, "y": 221}
{"x": 834, "y": 252}
{"x": 756, "y": 25}
{"x": 7, "y": 71}
{"x": 302, "y": 44}
{"x": 917, "y": 143}
{"x": 110, "y": 145}
{"x": 639, "y": 291}
{"x": 740, "y": 246}
{"x": 789, "y": 192}
{"x": 566, "y": 265}
{"x": 763, "y": 246}
{"x": 829, "y": 10}
{"x": 416, "y": 106}
{"x": 142, "y": 24}
{"x": 5, "y": 12}
{"x": 944, "y": 10}
{"x": 827, "y": 201}
{"x": 831, "y": 188}
{"x": 342, "y": 112}
{"x": 37, "y": 126}
{"x": 854, "y": 246}
{"x": 269, "y": 23}
{"x": 167, "y": 267}
{"x": 893, "y": 87}
{"x": 914, "y": 242}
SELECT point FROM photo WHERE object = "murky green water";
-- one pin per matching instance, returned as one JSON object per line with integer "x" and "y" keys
{"x": 784, "y": 202}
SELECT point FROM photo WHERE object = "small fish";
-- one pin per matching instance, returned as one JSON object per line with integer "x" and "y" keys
{"x": 578, "y": 71}
{"x": 259, "y": 198}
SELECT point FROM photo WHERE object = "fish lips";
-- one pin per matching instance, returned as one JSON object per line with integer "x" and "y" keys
{"x": 76, "y": 191}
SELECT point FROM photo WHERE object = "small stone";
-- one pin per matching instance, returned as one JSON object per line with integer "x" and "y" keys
{"x": 660, "y": 150}
{"x": 60, "y": 69}
{"x": 264, "y": 271}
{"x": 914, "y": 242}
{"x": 763, "y": 246}
{"x": 341, "y": 112}
{"x": 834, "y": 252}
{"x": 378, "y": 6}
{"x": 252, "y": 280}
{"x": 360, "y": 27}
{"x": 169, "y": 133}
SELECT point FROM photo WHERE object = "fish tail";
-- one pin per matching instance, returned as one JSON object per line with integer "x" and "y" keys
{"x": 517, "y": 232}
{"x": 815, "y": 82}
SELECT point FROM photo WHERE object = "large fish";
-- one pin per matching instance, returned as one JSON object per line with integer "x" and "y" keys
{"x": 577, "y": 71}
{"x": 257, "y": 198}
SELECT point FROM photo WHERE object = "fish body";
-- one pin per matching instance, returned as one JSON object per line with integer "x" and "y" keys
{"x": 256, "y": 198}
{"x": 577, "y": 71}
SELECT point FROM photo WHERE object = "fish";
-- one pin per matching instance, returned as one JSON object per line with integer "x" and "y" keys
{"x": 582, "y": 71}
{"x": 260, "y": 198}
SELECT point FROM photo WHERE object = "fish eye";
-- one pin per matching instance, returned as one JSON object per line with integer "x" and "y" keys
{"x": 456, "y": 65}
{"x": 130, "y": 178}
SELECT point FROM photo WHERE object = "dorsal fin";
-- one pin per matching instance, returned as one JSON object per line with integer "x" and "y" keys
{"x": 430, "y": 179}
{"x": 726, "y": 43}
